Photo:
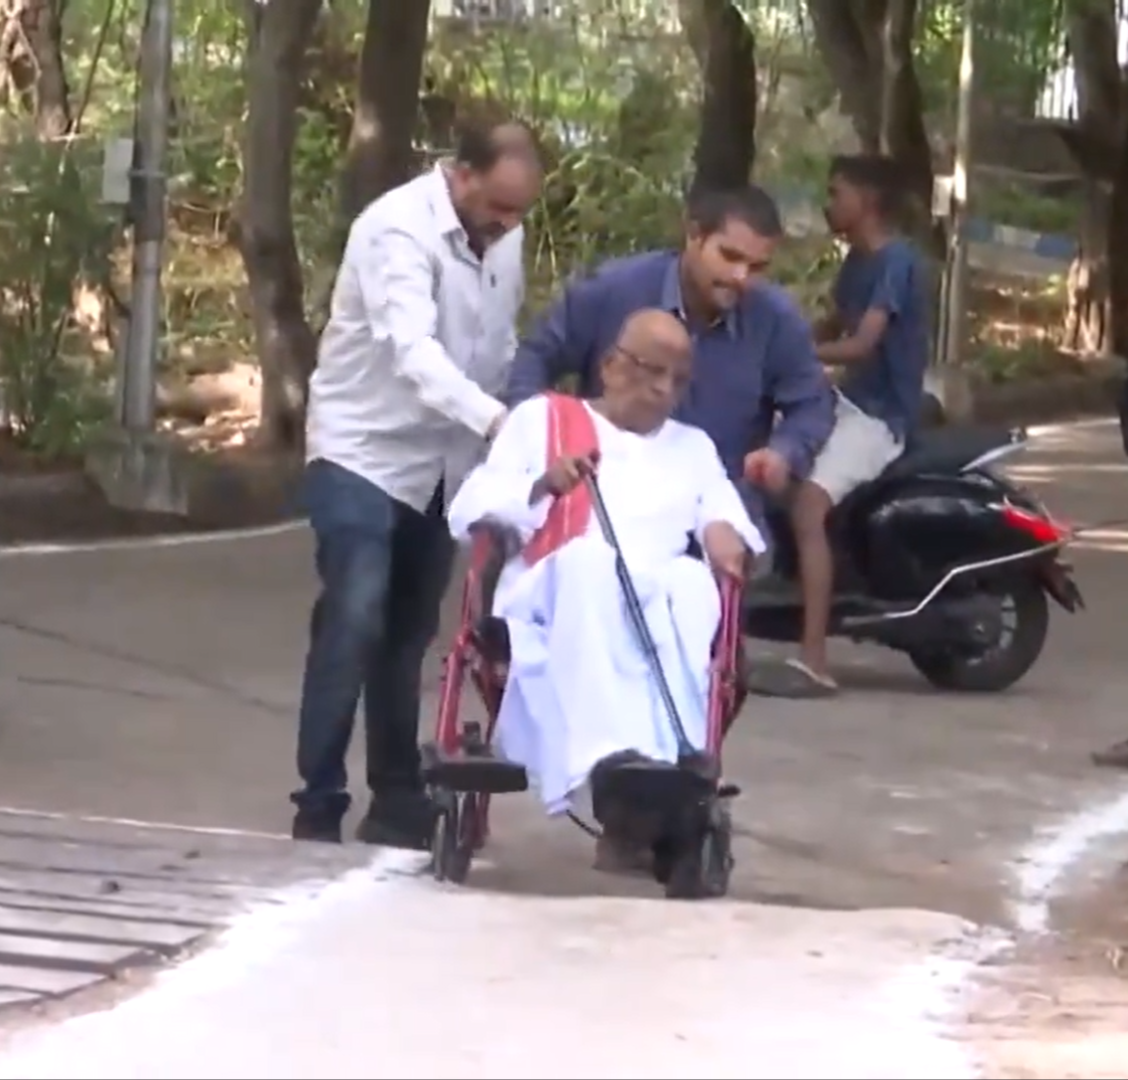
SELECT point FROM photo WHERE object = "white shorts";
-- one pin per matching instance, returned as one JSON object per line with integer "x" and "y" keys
{"x": 858, "y": 450}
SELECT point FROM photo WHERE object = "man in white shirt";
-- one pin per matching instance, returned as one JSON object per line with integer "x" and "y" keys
{"x": 419, "y": 341}
{"x": 579, "y": 689}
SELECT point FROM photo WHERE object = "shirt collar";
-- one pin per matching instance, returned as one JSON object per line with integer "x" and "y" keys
{"x": 443, "y": 208}
{"x": 671, "y": 300}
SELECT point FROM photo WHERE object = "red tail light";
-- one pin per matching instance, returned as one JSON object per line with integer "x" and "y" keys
{"x": 1042, "y": 529}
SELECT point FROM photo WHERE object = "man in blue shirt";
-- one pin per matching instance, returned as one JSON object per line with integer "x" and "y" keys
{"x": 758, "y": 388}
{"x": 878, "y": 332}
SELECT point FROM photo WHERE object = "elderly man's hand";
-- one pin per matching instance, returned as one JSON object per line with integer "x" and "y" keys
{"x": 563, "y": 475}
{"x": 725, "y": 549}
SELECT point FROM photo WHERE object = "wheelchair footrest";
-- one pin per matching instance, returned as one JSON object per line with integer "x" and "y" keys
{"x": 482, "y": 772}
{"x": 653, "y": 785}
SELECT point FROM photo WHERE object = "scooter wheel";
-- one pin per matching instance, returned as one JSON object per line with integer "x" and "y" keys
{"x": 1001, "y": 665}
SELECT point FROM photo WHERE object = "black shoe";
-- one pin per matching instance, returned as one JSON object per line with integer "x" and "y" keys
{"x": 400, "y": 818}
{"x": 318, "y": 824}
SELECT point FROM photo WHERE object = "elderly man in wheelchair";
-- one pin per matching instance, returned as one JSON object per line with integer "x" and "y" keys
{"x": 619, "y": 648}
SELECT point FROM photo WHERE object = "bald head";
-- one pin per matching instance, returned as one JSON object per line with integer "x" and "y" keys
{"x": 494, "y": 180}
{"x": 647, "y": 370}
{"x": 481, "y": 147}
{"x": 514, "y": 138}
{"x": 652, "y": 331}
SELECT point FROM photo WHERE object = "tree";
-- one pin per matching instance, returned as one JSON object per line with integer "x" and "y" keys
{"x": 381, "y": 148}
{"x": 263, "y": 226}
{"x": 867, "y": 46}
{"x": 725, "y": 47}
{"x": 1118, "y": 251}
{"x": 31, "y": 49}
{"x": 1096, "y": 142}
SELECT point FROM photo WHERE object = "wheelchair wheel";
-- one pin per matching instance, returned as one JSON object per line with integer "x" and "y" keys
{"x": 451, "y": 855}
{"x": 702, "y": 864}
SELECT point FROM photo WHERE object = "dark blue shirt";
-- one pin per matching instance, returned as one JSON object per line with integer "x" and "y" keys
{"x": 889, "y": 385}
{"x": 759, "y": 361}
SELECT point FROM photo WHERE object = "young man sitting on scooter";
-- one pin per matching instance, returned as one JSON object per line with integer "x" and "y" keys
{"x": 877, "y": 332}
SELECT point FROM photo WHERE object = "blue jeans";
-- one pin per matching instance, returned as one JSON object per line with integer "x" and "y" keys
{"x": 384, "y": 568}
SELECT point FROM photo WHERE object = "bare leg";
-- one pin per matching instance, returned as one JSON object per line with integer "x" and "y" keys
{"x": 816, "y": 568}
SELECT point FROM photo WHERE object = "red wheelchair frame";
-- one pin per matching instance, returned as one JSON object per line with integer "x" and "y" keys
{"x": 459, "y": 766}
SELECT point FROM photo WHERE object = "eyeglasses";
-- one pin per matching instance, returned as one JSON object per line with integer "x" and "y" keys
{"x": 655, "y": 372}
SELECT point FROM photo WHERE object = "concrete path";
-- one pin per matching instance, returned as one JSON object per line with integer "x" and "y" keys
{"x": 393, "y": 979}
{"x": 158, "y": 684}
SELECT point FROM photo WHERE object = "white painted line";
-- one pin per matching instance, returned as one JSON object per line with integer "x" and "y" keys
{"x": 1071, "y": 425}
{"x": 1043, "y": 867}
{"x": 132, "y": 823}
{"x": 167, "y": 540}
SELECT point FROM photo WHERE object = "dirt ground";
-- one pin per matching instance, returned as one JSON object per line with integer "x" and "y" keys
{"x": 1057, "y": 1012}
{"x": 82, "y": 514}
{"x": 236, "y": 485}
{"x": 1057, "y": 1007}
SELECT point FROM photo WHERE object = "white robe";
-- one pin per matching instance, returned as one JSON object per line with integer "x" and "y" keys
{"x": 579, "y": 683}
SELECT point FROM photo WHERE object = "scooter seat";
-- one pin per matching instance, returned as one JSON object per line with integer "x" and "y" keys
{"x": 950, "y": 449}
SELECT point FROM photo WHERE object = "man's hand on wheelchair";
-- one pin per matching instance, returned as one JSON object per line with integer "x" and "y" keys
{"x": 767, "y": 469}
{"x": 564, "y": 475}
{"x": 725, "y": 550}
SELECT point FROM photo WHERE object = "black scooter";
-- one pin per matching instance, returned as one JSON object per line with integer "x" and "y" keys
{"x": 940, "y": 558}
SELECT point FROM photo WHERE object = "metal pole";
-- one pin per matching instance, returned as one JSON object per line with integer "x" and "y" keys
{"x": 138, "y": 396}
{"x": 955, "y": 298}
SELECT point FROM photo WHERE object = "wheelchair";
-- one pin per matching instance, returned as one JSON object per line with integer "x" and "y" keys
{"x": 463, "y": 772}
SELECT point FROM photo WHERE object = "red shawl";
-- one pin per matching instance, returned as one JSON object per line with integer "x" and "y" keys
{"x": 571, "y": 432}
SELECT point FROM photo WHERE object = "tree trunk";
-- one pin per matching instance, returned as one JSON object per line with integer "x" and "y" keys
{"x": 381, "y": 152}
{"x": 35, "y": 61}
{"x": 1095, "y": 143}
{"x": 867, "y": 46}
{"x": 1118, "y": 253}
{"x": 903, "y": 134}
{"x": 725, "y": 48}
{"x": 279, "y": 31}
{"x": 1087, "y": 308}
{"x": 853, "y": 56}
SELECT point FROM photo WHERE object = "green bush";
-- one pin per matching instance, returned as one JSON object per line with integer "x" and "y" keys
{"x": 55, "y": 237}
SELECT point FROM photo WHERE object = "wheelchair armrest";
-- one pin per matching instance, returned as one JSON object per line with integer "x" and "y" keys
{"x": 727, "y": 582}
{"x": 496, "y": 535}
{"x": 493, "y": 545}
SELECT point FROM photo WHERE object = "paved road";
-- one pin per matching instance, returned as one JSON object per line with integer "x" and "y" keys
{"x": 159, "y": 685}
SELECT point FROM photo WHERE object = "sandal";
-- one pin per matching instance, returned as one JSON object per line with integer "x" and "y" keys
{"x": 791, "y": 679}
